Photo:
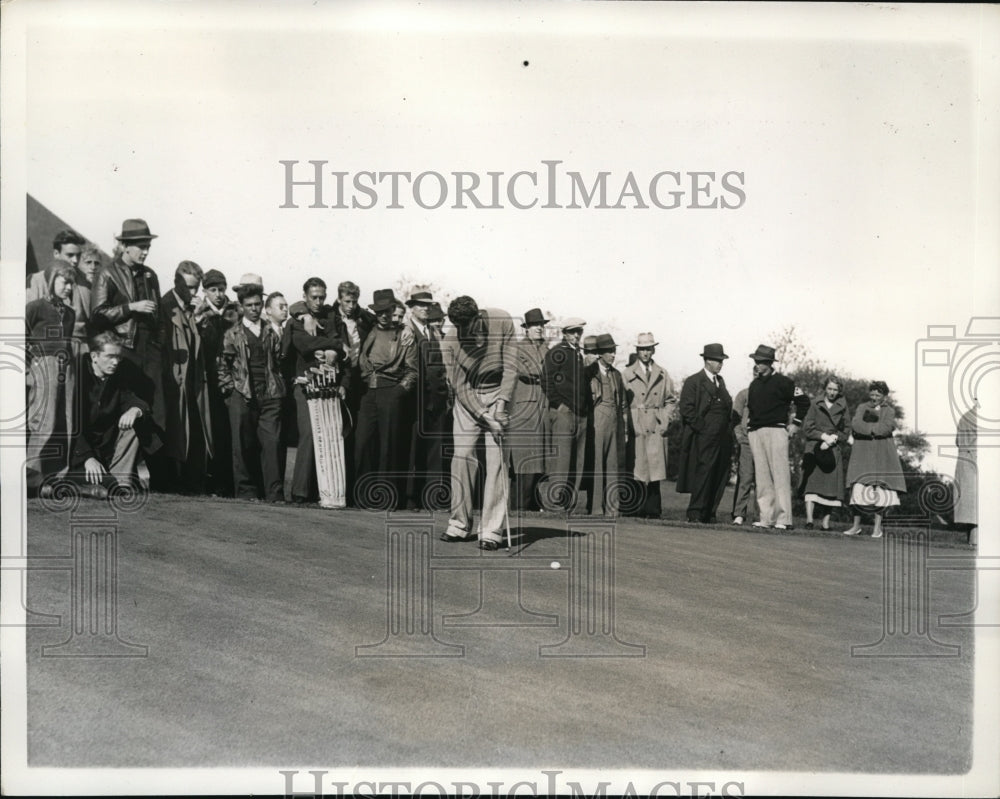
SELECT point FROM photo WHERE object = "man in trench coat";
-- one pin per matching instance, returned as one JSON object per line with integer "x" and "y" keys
{"x": 706, "y": 443}
{"x": 186, "y": 390}
{"x": 652, "y": 400}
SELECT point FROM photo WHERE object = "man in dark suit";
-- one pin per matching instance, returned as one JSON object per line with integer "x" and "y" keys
{"x": 706, "y": 437}
{"x": 568, "y": 394}
{"x": 428, "y": 408}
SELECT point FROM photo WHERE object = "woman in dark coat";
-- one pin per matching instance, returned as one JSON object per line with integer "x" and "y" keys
{"x": 50, "y": 377}
{"x": 875, "y": 473}
{"x": 825, "y": 428}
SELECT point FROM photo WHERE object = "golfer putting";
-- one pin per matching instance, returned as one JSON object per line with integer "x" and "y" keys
{"x": 482, "y": 370}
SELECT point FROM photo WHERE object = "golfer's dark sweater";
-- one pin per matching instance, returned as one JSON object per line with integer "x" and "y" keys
{"x": 768, "y": 400}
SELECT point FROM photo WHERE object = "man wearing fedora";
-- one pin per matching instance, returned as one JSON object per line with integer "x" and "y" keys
{"x": 310, "y": 335}
{"x": 428, "y": 409}
{"x": 126, "y": 299}
{"x": 652, "y": 402}
{"x": 186, "y": 388}
{"x": 528, "y": 432}
{"x": 610, "y": 413}
{"x": 768, "y": 401}
{"x": 388, "y": 361}
{"x": 589, "y": 350}
{"x": 706, "y": 444}
{"x": 482, "y": 370}
{"x": 567, "y": 392}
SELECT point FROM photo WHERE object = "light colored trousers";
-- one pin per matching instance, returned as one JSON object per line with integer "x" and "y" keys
{"x": 466, "y": 436}
{"x": 773, "y": 475}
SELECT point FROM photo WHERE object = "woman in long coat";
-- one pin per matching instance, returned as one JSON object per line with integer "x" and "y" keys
{"x": 527, "y": 433}
{"x": 50, "y": 377}
{"x": 875, "y": 473}
{"x": 825, "y": 428}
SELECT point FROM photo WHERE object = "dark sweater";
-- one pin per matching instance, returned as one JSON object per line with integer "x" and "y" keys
{"x": 768, "y": 400}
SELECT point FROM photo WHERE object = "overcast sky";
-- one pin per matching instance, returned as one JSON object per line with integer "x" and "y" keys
{"x": 854, "y": 129}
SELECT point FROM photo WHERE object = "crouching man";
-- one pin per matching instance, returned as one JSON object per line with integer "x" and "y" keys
{"x": 113, "y": 421}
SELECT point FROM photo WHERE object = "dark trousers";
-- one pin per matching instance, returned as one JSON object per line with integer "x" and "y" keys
{"x": 190, "y": 477}
{"x": 744, "y": 496}
{"x": 304, "y": 486}
{"x": 377, "y": 443}
{"x": 713, "y": 451}
{"x": 426, "y": 462}
{"x": 256, "y": 431}
{"x": 524, "y": 495}
{"x": 219, "y": 480}
{"x": 569, "y": 438}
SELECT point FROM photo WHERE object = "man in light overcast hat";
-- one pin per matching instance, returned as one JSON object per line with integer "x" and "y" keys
{"x": 652, "y": 401}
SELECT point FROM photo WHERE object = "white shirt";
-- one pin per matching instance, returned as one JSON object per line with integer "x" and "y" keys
{"x": 712, "y": 378}
{"x": 253, "y": 327}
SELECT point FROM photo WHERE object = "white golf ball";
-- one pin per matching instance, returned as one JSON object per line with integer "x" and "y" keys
{"x": 555, "y": 564}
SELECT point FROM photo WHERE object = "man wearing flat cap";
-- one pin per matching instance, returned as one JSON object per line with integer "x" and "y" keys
{"x": 768, "y": 401}
{"x": 610, "y": 415}
{"x": 529, "y": 412}
{"x": 652, "y": 402}
{"x": 706, "y": 443}
{"x": 126, "y": 299}
{"x": 428, "y": 410}
{"x": 567, "y": 392}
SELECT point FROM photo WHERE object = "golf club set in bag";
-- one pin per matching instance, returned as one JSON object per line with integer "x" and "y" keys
{"x": 326, "y": 416}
